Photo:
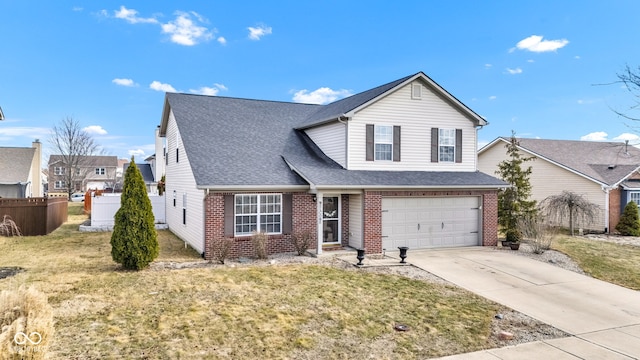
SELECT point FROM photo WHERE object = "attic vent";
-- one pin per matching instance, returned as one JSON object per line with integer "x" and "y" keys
{"x": 416, "y": 91}
{"x": 611, "y": 167}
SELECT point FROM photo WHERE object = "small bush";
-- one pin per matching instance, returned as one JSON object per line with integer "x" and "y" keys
{"x": 8, "y": 227}
{"x": 221, "y": 249}
{"x": 513, "y": 235}
{"x": 26, "y": 321}
{"x": 538, "y": 233}
{"x": 259, "y": 241}
{"x": 301, "y": 241}
{"x": 629, "y": 224}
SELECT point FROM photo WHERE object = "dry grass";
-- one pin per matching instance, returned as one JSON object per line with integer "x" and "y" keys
{"x": 614, "y": 263}
{"x": 231, "y": 312}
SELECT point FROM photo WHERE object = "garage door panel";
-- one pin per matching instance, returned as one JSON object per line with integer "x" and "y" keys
{"x": 443, "y": 222}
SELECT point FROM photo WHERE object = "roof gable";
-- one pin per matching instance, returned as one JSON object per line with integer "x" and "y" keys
{"x": 15, "y": 164}
{"x": 348, "y": 106}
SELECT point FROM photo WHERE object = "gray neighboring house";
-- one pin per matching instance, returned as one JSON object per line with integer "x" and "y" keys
{"x": 20, "y": 171}
{"x": 605, "y": 173}
{"x": 392, "y": 166}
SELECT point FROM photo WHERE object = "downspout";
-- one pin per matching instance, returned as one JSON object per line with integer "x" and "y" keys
{"x": 606, "y": 209}
{"x": 319, "y": 227}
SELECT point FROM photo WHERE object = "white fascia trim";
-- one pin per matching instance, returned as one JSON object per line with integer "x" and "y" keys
{"x": 413, "y": 187}
{"x": 624, "y": 178}
{"x": 244, "y": 188}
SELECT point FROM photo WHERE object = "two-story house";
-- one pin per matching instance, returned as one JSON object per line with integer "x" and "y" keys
{"x": 84, "y": 173}
{"x": 392, "y": 166}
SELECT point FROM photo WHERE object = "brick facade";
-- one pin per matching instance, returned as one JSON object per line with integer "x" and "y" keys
{"x": 614, "y": 209}
{"x": 304, "y": 217}
{"x": 373, "y": 214}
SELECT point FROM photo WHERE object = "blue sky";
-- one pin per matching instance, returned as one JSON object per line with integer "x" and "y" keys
{"x": 545, "y": 69}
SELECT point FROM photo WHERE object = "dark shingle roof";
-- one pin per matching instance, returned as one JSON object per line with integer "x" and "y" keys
{"x": 15, "y": 164}
{"x": 93, "y": 160}
{"x": 145, "y": 171}
{"x": 337, "y": 108}
{"x": 606, "y": 162}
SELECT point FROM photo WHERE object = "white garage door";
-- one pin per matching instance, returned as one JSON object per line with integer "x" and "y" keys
{"x": 430, "y": 222}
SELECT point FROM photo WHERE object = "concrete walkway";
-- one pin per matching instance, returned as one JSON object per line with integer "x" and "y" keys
{"x": 603, "y": 318}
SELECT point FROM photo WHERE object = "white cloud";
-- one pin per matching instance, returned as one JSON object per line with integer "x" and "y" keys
{"x": 185, "y": 30}
{"x": 95, "y": 130}
{"x": 595, "y": 136}
{"x": 514, "y": 71}
{"x": 577, "y": 57}
{"x": 211, "y": 91}
{"x": 323, "y": 95}
{"x": 255, "y": 33}
{"x": 535, "y": 43}
{"x": 487, "y": 66}
{"x": 492, "y": 97}
{"x": 531, "y": 61}
{"x": 222, "y": 40}
{"x": 158, "y": 86}
{"x": 139, "y": 153}
{"x": 124, "y": 82}
{"x": 77, "y": 8}
{"x": 131, "y": 16}
{"x": 627, "y": 136}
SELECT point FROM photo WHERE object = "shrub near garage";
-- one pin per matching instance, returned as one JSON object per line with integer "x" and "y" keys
{"x": 629, "y": 224}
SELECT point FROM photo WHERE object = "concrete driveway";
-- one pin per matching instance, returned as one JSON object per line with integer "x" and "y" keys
{"x": 603, "y": 318}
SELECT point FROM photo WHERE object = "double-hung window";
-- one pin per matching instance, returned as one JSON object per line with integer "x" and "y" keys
{"x": 258, "y": 212}
{"x": 447, "y": 145}
{"x": 59, "y": 184}
{"x": 383, "y": 139}
{"x": 100, "y": 171}
{"x": 635, "y": 197}
{"x": 58, "y": 170}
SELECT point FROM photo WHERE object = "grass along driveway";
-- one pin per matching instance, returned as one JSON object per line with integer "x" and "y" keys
{"x": 283, "y": 311}
{"x": 615, "y": 263}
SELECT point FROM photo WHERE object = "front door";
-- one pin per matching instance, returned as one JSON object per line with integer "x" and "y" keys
{"x": 331, "y": 220}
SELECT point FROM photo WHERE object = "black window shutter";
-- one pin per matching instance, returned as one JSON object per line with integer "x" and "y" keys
{"x": 396, "y": 143}
{"x": 287, "y": 212}
{"x": 458, "y": 145}
{"x": 229, "y": 212}
{"x": 177, "y": 155}
{"x": 370, "y": 147}
{"x": 434, "y": 144}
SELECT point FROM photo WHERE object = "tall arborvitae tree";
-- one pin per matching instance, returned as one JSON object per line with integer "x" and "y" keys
{"x": 513, "y": 202}
{"x": 134, "y": 242}
{"x": 629, "y": 224}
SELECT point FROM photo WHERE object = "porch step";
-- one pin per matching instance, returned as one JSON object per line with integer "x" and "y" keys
{"x": 332, "y": 247}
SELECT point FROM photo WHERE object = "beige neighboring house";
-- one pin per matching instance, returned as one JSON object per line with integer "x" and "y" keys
{"x": 606, "y": 173}
{"x": 93, "y": 172}
{"x": 20, "y": 175}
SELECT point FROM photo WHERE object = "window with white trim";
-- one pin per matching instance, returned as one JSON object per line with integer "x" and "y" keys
{"x": 635, "y": 197}
{"x": 59, "y": 184}
{"x": 100, "y": 171}
{"x": 58, "y": 170}
{"x": 447, "y": 145}
{"x": 383, "y": 140}
{"x": 258, "y": 212}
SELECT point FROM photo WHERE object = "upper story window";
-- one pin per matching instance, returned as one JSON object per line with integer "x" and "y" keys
{"x": 383, "y": 142}
{"x": 58, "y": 170}
{"x": 59, "y": 184}
{"x": 255, "y": 212}
{"x": 447, "y": 145}
{"x": 100, "y": 171}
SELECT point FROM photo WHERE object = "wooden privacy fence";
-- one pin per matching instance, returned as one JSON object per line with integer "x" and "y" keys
{"x": 35, "y": 216}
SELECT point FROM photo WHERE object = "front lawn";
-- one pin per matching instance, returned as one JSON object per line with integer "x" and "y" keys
{"x": 237, "y": 311}
{"x": 611, "y": 262}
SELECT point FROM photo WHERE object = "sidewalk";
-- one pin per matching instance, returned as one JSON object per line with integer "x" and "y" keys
{"x": 603, "y": 318}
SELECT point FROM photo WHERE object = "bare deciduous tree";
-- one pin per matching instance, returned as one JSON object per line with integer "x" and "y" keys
{"x": 569, "y": 206}
{"x": 631, "y": 80}
{"x": 70, "y": 141}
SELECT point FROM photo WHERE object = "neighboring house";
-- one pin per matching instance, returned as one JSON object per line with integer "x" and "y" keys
{"x": 91, "y": 172}
{"x": 147, "y": 176}
{"x": 605, "y": 173}
{"x": 392, "y": 166}
{"x": 20, "y": 171}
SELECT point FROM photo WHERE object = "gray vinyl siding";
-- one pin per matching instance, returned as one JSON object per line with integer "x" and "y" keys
{"x": 416, "y": 118}
{"x": 331, "y": 139}
{"x": 549, "y": 179}
{"x": 179, "y": 177}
